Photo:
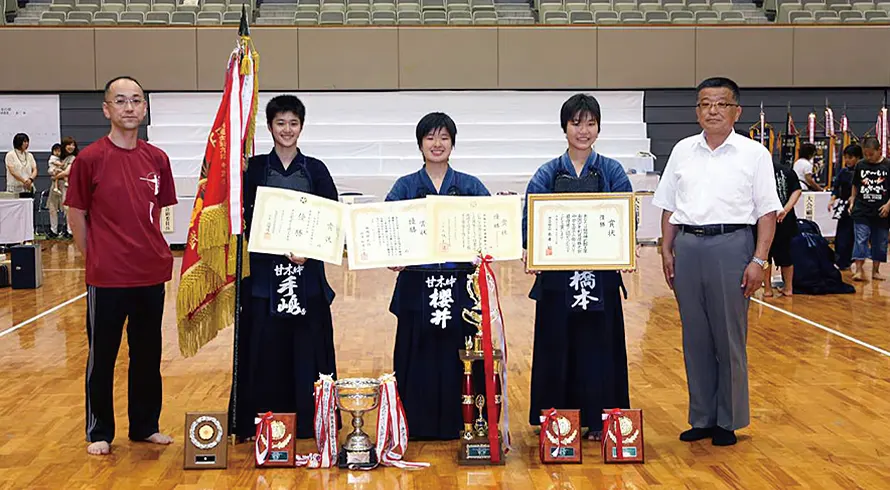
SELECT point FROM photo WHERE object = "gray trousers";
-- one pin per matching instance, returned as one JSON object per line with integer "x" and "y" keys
{"x": 708, "y": 272}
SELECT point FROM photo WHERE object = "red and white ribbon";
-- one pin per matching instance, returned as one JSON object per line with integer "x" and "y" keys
{"x": 325, "y": 427}
{"x": 493, "y": 322}
{"x": 762, "y": 125}
{"x": 392, "y": 427}
{"x": 548, "y": 421}
{"x": 811, "y": 127}
{"x": 882, "y": 136}
{"x": 263, "y": 433}
{"x": 612, "y": 421}
{"x": 845, "y": 124}
{"x": 829, "y": 122}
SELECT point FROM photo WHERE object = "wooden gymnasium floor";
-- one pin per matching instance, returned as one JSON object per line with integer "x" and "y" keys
{"x": 819, "y": 399}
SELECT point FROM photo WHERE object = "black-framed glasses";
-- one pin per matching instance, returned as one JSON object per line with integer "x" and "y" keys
{"x": 720, "y": 106}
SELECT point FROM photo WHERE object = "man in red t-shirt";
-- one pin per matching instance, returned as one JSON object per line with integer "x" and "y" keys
{"x": 116, "y": 191}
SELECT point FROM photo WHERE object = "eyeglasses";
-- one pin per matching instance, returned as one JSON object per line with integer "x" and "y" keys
{"x": 720, "y": 106}
{"x": 123, "y": 101}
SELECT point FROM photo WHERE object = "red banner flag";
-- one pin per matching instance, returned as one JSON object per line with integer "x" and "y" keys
{"x": 206, "y": 299}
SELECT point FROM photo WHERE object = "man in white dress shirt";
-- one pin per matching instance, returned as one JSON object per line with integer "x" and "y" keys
{"x": 716, "y": 186}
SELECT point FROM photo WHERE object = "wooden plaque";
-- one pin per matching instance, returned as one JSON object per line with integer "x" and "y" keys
{"x": 561, "y": 439}
{"x": 283, "y": 448}
{"x": 630, "y": 430}
{"x": 205, "y": 440}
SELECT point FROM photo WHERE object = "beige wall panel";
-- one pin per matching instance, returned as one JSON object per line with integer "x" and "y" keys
{"x": 213, "y": 47}
{"x": 34, "y": 58}
{"x": 841, "y": 56}
{"x": 646, "y": 57}
{"x": 448, "y": 57}
{"x": 752, "y": 56}
{"x": 333, "y": 58}
{"x": 531, "y": 57}
{"x": 161, "y": 59}
{"x": 279, "y": 67}
{"x": 278, "y": 56}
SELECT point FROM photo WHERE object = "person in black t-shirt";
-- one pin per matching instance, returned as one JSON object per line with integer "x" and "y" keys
{"x": 842, "y": 189}
{"x": 788, "y": 187}
{"x": 870, "y": 207}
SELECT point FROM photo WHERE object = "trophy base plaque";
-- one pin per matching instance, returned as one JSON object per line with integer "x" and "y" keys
{"x": 205, "y": 436}
{"x": 356, "y": 460}
{"x": 282, "y": 448}
{"x": 560, "y": 440}
{"x": 630, "y": 429}
{"x": 476, "y": 452}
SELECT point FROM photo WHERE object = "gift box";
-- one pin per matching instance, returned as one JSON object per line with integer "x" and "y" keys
{"x": 622, "y": 439}
{"x": 275, "y": 443}
{"x": 560, "y": 436}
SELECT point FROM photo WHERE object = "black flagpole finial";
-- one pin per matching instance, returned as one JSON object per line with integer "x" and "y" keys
{"x": 243, "y": 28}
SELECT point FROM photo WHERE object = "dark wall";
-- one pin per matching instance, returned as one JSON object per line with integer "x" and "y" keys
{"x": 670, "y": 114}
{"x": 81, "y": 118}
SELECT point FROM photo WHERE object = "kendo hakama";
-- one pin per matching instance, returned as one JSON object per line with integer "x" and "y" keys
{"x": 428, "y": 302}
{"x": 292, "y": 335}
{"x": 579, "y": 359}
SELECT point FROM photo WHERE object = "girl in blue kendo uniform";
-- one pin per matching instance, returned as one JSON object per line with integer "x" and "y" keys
{"x": 429, "y": 300}
{"x": 579, "y": 359}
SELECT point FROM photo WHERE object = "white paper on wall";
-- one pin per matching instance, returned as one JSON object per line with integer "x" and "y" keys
{"x": 35, "y": 115}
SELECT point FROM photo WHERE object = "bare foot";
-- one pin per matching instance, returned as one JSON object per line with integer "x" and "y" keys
{"x": 875, "y": 276}
{"x": 99, "y": 448}
{"x": 857, "y": 276}
{"x": 787, "y": 292}
{"x": 767, "y": 293}
{"x": 158, "y": 438}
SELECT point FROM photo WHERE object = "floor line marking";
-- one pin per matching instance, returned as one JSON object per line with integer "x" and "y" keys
{"x": 823, "y": 327}
{"x": 62, "y": 270}
{"x": 38, "y": 317}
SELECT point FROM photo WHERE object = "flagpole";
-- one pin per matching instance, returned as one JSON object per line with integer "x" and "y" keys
{"x": 243, "y": 31}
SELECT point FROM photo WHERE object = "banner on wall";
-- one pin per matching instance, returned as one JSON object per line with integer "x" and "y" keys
{"x": 35, "y": 115}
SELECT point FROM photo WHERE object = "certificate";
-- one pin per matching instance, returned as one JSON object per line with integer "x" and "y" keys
{"x": 465, "y": 226}
{"x": 585, "y": 231}
{"x": 387, "y": 234}
{"x": 306, "y": 225}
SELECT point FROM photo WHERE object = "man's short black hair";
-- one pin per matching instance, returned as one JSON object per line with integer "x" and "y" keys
{"x": 720, "y": 82}
{"x": 807, "y": 151}
{"x": 19, "y": 140}
{"x": 285, "y": 103}
{"x": 122, "y": 77}
{"x": 435, "y": 121}
{"x": 578, "y": 106}
{"x": 871, "y": 143}
{"x": 853, "y": 150}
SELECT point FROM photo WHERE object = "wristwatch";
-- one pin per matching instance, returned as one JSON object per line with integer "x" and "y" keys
{"x": 762, "y": 263}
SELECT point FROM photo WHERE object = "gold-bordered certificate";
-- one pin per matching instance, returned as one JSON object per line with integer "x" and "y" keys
{"x": 306, "y": 225}
{"x": 387, "y": 234}
{"x": 583, "y": 231}
{"x": 464, "y": 226}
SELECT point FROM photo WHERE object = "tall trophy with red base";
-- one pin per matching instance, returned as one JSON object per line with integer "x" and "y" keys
{"x": 477, "y": 442}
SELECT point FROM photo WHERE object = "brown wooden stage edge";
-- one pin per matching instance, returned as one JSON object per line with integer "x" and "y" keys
{"x": 818, "y": 402}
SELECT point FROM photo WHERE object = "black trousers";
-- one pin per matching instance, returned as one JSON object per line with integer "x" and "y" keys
{"x": 142, "y": 309}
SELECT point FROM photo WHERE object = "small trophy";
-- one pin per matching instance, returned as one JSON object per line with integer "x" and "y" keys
{"x": 205, "y": 446}
{"x": 357, "y": 396}
{"x": 474, "y": 443}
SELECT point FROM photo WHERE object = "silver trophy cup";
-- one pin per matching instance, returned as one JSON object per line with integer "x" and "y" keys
{"x": 357, "y": 396}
